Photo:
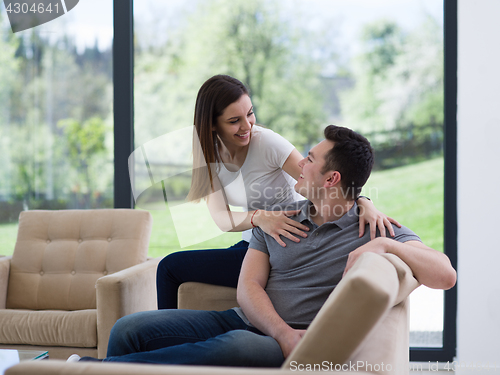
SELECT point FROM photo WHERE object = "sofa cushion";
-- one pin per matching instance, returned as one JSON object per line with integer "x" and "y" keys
{"x": 200, "y": 296}
{"x": 59, "y": 255}
{"x": 56, "y": 328}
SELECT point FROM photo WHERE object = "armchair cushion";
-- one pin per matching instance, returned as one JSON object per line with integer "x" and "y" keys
{"x": 59, "y": 256}
{"x": 74, "y": 328}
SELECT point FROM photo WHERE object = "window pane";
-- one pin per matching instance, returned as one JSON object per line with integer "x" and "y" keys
{"x": 56, "y": 120}
{"x": 376, "y": 67}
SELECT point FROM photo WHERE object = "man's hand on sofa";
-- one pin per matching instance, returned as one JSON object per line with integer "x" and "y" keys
{"x": 374, "y": 246}
{"x": 289, "y": 340}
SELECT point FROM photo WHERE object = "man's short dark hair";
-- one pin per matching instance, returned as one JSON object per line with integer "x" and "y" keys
{"x": 352, "y": 156}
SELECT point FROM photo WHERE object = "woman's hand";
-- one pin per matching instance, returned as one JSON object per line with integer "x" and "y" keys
{"x": 369, "y": 214}
{"x": 276, "y": 223}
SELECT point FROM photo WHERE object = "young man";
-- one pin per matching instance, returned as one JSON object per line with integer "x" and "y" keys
{"x": 302, "y": 276}
{"x": 281, "y": 289}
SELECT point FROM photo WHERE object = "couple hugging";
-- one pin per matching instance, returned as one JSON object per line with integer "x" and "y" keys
{"x": 290, "y": 258}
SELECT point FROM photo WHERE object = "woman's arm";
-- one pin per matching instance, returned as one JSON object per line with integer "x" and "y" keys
{"x": 291, "y": 165}
{"x": 274, "y": 223}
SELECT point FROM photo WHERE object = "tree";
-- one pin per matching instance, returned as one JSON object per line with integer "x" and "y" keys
{"x": 45, "y": 82}
{"x": 85, "y": 143}
{"x": 9, "y": 68}
{"x": 398, "y": 78}
{"x": 250, "y": 40}
{"x": 383, "y": 42}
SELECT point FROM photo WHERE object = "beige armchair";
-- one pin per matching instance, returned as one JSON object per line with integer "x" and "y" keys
{"x": 363, "y": 326}
{"x": 73, "y": 273}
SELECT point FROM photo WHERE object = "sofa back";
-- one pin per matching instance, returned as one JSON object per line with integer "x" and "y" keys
{"x": 59, "y": 255}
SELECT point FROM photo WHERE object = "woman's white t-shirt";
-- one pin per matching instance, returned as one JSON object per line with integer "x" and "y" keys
{"x": 260, "y": 182}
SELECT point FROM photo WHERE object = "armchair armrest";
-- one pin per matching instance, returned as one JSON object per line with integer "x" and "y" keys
{"x": 122, "y": 293}
{"x": 4, "y": 279}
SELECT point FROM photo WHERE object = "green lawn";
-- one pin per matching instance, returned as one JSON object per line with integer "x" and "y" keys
{"x": 8, "y": 235}
{"x": 164, "y": 238}
{"x": 413, "y": 195}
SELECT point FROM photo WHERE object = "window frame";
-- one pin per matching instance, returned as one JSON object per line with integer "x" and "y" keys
{"x": 123, "y": 107}
{"x": 448, "y": 351}
{"x": 123, "y": 82}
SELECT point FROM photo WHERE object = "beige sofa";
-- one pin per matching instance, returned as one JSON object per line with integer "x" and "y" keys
{"x": 363, "y": 326}
{"x": 73, "y": 273}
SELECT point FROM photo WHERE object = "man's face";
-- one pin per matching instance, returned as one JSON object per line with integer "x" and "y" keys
{"x": 311, "y": 181}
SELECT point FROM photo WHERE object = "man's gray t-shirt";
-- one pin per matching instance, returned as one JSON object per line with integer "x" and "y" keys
{"x": 303, "y": 274}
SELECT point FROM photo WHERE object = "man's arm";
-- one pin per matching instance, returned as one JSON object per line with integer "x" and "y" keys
{"x": 256, "y": 304}
{"x": 430, "y": 267}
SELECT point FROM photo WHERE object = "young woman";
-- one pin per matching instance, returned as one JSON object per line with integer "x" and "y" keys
{"x": 241, "y": 164}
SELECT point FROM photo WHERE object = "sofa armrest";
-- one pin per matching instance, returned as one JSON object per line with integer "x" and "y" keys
{"x": 4, "y": 280}
{"x": 353, "y": 309}
{"x": 122, "y": 293}
{"x": 200, "y": 296}
{"x": 407, "y": 282}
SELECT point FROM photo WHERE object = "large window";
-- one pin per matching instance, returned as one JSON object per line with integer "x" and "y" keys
{"x": 373, "y": 66}
{"x": 376, "y": 67}
{"x": 56, "y": 115}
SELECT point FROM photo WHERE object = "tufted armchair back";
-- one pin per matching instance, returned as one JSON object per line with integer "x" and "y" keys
{"x": 59, "y": 255}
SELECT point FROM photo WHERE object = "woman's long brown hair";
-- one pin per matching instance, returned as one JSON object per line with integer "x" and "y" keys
{"x": 213, "y": 98}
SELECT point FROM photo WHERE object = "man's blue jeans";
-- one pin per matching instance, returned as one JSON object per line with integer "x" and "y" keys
{"x": 191, "y": 337}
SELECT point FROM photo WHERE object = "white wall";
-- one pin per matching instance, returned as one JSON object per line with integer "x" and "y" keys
{"x": 478, "y": 324}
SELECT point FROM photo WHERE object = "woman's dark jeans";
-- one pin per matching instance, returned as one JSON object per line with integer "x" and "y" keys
{"x": 218, "y": 266}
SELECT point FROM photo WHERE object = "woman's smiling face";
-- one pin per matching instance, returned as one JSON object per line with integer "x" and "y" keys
{"x": 234, "y": 125}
